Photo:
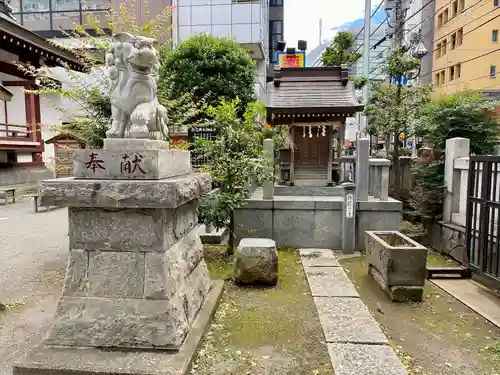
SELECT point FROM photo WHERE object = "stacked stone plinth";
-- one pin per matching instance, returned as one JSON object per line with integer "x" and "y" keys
{"x": 136, "y": 277}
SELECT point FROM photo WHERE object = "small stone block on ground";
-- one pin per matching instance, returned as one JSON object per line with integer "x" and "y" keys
{"x": 359, "y": 359}
{"x": 318, "y": 258}
{"x": 79, "y": 361}
{"x": 329, "y": 282}
{"x": 347, "y": 320}
{"x": 214, "y": 237}
{"x": 256, "y": 262}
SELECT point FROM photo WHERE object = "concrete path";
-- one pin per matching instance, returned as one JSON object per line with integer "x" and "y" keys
{"x": 356, "y": 344}
{"x": 33, "y": 251}
{"x": 474, "y": 295}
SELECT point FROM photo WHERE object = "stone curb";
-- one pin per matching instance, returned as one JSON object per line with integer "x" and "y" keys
{"x": 356, "y": 343}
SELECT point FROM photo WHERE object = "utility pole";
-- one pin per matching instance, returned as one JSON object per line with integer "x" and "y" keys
{"x": 366, "y": 61}
{"x": 399, "y": 24}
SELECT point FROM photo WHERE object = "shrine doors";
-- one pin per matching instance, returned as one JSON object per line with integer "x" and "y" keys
{"x": 312, "y": 145}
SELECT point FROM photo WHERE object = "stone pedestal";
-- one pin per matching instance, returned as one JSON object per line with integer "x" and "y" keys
{"x": 136, "y": 278}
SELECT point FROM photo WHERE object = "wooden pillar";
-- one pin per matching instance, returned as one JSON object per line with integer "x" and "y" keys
{"x": 292, "y": 157}
{"x": 329, "y": 134}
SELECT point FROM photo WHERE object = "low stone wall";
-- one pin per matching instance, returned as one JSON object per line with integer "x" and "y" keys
{"x": 312, "y": 222}
{"x": 449, "y": 239}
{"x": 23, "y": 175}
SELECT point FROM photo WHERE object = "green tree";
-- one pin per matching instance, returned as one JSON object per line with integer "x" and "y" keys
{"x": 235, "y": 157}
{"x": 391, "y": 109}
{"x": 340, "y": 52}
{"x": 466, "y": 115}
{"x": 211, "y": 68}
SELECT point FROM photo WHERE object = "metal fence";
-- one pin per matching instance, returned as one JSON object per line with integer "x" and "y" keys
{"x": 197, "y": 158}
{"x": 483, "y": 217}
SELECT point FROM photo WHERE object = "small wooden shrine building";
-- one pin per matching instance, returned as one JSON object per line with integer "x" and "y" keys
{"x": 315, "y": 103}
{"x": 65, "y": 146}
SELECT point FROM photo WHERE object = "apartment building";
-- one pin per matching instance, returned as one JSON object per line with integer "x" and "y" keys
{"x": 466, "y": 53}
{"x": 49, "y": 17}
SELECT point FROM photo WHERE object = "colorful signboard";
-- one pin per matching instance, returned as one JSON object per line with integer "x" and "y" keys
{"x": 291, "y": 60}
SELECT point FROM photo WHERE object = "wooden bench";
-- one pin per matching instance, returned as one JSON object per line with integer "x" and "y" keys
{"x": 7, "y": 192}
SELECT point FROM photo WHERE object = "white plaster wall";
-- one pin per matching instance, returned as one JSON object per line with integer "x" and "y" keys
{"x": 16, "y": 107}
{"x": 24, "y": 157}
{"x": 2, "y": 113}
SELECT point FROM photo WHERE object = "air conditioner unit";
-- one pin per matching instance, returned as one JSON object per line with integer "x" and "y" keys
{"x": 389, "y": 4}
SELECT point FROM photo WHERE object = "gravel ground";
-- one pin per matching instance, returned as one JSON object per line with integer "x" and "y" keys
{"x": 33, "y": 251}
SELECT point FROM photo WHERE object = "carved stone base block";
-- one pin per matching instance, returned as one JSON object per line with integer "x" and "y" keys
{"x": 131, "y": 164}
{"x": 136, "y": 278}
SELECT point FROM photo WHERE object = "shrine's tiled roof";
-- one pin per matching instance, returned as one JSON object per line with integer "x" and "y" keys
{"x": 321, "y": 89}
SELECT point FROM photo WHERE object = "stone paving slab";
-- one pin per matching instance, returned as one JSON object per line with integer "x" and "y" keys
{"x": 329, "y": 282}
{"x": 318, "y": 258}
{"x": 347, "y": 320}
{"x": 359, "y": 359}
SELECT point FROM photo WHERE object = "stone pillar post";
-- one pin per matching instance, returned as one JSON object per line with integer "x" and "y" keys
{"x": 349, "y": 218}
{"x": 455, "y": 148}
{"x": 362, "y": 165}
{"x": 268, "y": 188}
{"x": 384, "y": 181}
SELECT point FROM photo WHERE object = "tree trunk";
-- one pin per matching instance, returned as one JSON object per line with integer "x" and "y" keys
{"x": 230, "y": 242}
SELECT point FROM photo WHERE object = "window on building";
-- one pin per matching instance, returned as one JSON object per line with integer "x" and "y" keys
{"x": 275, "y": 36}
{"x": 451, "y": 73}
{"x": 276, "y": 3}
{"x": 494, "y": 36}
{"x": 458, "y": 70}
{"x": 453, "y": 41}
{"x": 454, "y": 9}
{"x": 436, "y": 79}
{"x": 445, "y": 16}
{"x": 493, "y": 71}
{"x": 460, "y": 37}
{"x": 461, "y": 6}
{"x": 443, "y": 77}
{"x": 48, "y": 16}
{"x": 496, "y": 3}
{"x": 438, "y": 50}
{"x": 444, "y": 44}
{"x": 440, "y": 20}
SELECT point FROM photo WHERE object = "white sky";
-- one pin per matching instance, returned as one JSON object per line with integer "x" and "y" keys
{"x": 302, "y": 18}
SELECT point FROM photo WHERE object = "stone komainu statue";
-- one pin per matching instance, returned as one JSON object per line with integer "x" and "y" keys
{"x": 133, "y": 67}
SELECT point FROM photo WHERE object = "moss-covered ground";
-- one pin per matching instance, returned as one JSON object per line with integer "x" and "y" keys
{"x": 440, "y": 336}
{"x": 260, "y": 331}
